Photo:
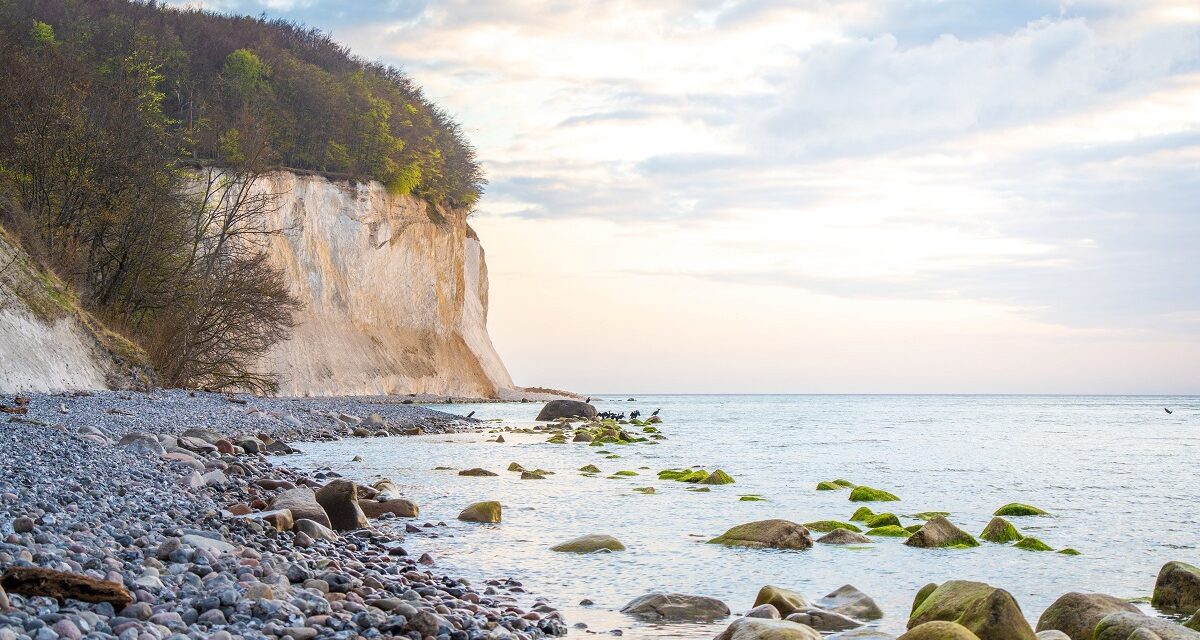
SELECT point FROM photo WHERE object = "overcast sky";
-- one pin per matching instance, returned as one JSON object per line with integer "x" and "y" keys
{"x": 762, "y": 196}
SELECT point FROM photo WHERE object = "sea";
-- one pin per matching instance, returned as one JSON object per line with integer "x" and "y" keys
{"x": 1118, "y": 476}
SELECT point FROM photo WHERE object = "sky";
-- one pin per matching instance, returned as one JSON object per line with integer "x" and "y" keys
{"x": 770, "y": 196}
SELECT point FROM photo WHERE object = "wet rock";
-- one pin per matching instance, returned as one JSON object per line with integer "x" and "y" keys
{"x": 487, "y": 512}
{"x": 590, "y": 544}
{"x": 764, "y": 629}
{"x": 939, "y": 630}
{"x": 849, "y": 601}
{"x": 676, "y": 606}
{"x": 1077, "y": 614}
{"x": 398, "y": 507}
{"x": 988, "y": 612}
{"x": 1017, "y": 509}
{"x": 477, "y": 473}
{"x": 1000, "y": 530}
{"x": 1137, "y": 626}
{"x": 863, "y": 493}
{"x": 775, "y": 534}
{"x": 767, "y": 611}
{"x": 941, "y": 533}
{"x": 556, "y": 409}
{"x": 339, "y": 499}
{"x": 823, "y": 620}
{"x": 843, "y": 536}
{"x": 1177, "y": 588}
{"x": 785, "y": 601}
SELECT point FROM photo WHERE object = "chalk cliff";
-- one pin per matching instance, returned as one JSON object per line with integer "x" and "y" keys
{"x": 394, "y": 293}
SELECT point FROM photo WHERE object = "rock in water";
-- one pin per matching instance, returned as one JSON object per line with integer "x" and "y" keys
{"x": 1177, "y": 588}
{"x": 988, "y": 612}
{"x": 825, "y": 526}
{"x": 1137, "y": 626}
{"x": 823, "y": 620}
{"x": 785, "y": 601}
{"x": 590, "y": 544}
{"x": 556, "y": 409}
{"x": 477, "y": 473}
{"x": 339, "y": 499}
{"x": 883, "y": 520}
{"x": 676, "y": 606}
{"x": 843, "y": 536}
{"x": 1077, "y": 614}
{"x": 1030, "y": 543}
{"x": 37, "y": 581}
{"x": 939, "y": 630}
{"x": 940, "y": 532}
{"x": 864, "y": 493}
{"x": 487, "y": 512}
{"x": 849, "y": 601}
{"x": 767, "y": 611}
{"x": 774, "y": 534}
{"x": 1000, "y": 530}
{"x": 1018, "y": 509}
{"x": 765, "y": 629}
{"x": 398, "y": 506}
{"x": 302, "y": 502}
{"x": 718, "y": 477}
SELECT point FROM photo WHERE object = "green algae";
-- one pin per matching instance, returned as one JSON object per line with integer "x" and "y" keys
{"x": 868, "y": 494}
{"x": 718, "y": 477}
{"x": 882, "y": 520}
{"x": 930, "y": 515}
{"x": 825, "y": 526}
{"x": 1018, "y": 509}
{"x": 751, "y": 499}
{"x": 589, "y": 468}
{"x": 1029, "y": 543}
{"x": 890, "y": 531}
{"x": 828, "y": 486}
{"x": 1001, "y": 531}
{"x": 1069, "y": 552}
{"x": 626, "y": 473}
{"x": 862, "y": 514}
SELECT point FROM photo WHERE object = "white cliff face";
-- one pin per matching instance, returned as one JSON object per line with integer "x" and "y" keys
{"x": 395, "y": 299}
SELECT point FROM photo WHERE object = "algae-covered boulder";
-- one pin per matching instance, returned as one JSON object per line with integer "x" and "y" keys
{"x": 556, "y": 409}
{"x": 487, "y": 512}
{"x": 1018, "y": 509}
{"x": 930, "y": 515}
{"x": 532, "y": 475}
{"x": 1000, "y": 530}
{"x": 939, "y": 630}
{"x": 774, "y": 534}
{"x": 1137, "y": 626}
{"x": 828, "y": 486}
{"x": 589, "y": 544}
{"x": 766, "y": 629}
{"x": 676, "y": 606}
{"x": 862, "y": 514}
{"x": 825, "y": 526}
{"x": 849, "y": 601}
{"x": 882, "y": 520}
{"x": 1030, "y": 543}
{"x": 889, "y": 531}
{"x": 589, "y": 468}
{"x": 941, "y": 533}
{"x": 844, "y": 536}
{"x": 718, "y": 477}
{"x": 988, "y": 612}
{"x": 785, "y": 600}
{"x": 1177, "y": 588}
{"x": 477, "y": 473}
{"x": 513, "y": 466}
{"x": 863, "y": 493}
{"x": 1077, "y": 614}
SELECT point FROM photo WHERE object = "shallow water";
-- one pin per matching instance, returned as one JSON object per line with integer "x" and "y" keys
{"x": 1118, "y": 475}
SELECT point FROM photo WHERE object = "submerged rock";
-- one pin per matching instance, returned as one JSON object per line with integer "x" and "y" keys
{"x": 1018, "y": 509}
{"x": 844, "y": 536}
{"x": 823, "y": 620}
{"x": 828, "y": 486}
{"x": 890, "y": 531}
{"x": 988, "y": 612}
{"x": 556, "y": 409}
{"x": 775, "y": 534}
{"x": 398, "y": 506}
{"x": 1177, "y": 588}
{"x": 849, "y": 601}
{"x": 867, "y": 494}
{"x": 477, "y": 473}
{"x": 785, "y": 601}
{"x": 1030, "y": 543}
{"x": 676, "y": 606}
{"x": 1077, "y": 614}
{"x": 941, "y": 533}
{"x": 765, "y": 629}
{"x": 1000, "y": 530}
{"x": 825, "y": 526}
{"x": 767, "y": 611}
{"x": 589, "y": 544}
{"x": 486, "y": 512}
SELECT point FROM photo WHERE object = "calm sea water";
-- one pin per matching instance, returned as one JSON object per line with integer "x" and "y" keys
{"x": 1118, "y": 475}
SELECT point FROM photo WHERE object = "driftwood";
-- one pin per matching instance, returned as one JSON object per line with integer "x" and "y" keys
{"x": 36, "y": 581}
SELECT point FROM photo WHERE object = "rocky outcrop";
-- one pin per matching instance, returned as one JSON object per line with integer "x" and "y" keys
{"x": 988, "y": 612}
{"x": 1077, "y": 614}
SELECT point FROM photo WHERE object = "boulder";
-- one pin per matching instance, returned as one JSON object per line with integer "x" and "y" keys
{"x": 1030, "y": 543}
{"x": 1017, "y": 509}
{"x": 785, "y": 601}
{"x": 477, "y": 473}
{"x": 883, "y": 520}
{"x": 825, "y": 526}
{"x": 556, "y": 409}
{"x": 142, "y": 444}
{"x": 302, "y": 502}
{"x": 939, "y": 533}
{"x": 823, "y": 620}
{"x": 314, "y": 530}
{"x": 1077, "y": 614}
{"x": 1193, "y": 623}
{"x": 864, "y": 493}
{"x": 339, "y": 499}
{"x": 591, "y": 544}
{"x": 861, "y": 514}
{"x": 207, "y": 435}
{"x": 843, "y": 536}
{"x": 939, "y": 630}
{"x": 767, "y": 611}
{"x": 676, "y": 606}
{"x": 988, "y": 612}
{"x": 849, "y": 601}
{"x": 766, "y": 629}
{"x": 280, "y": 519}
{"x": 1052, "y": 634}
{"x": 399, "y": 506}
{"x": 481, "y": 512}
{"x": 1177, "y": 589}
{"x": 1000, "y": 530}
{"x": 773, "y": 534}
{"x": 718, "y": 477}
{"x": 1137, "y": 626}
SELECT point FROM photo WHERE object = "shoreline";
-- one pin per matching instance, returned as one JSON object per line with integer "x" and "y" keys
{"x": 72, "y": 499}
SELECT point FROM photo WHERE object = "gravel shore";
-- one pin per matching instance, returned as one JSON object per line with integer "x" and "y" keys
{"x": 83, "y": 491}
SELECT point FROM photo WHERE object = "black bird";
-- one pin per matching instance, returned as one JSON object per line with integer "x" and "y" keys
{"x": 656, "y": 412}
{"x": 470, "y": 414}
{"x": 633, "y": 415}
{"x": 589, "y": 399}
{"x": 1167, "y": 410}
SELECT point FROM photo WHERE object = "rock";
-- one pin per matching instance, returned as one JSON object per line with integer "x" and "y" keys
{"x": 1177, "y": 589}
{"x": 589, "y": 468}
{"x": 582, "y": 436}
{"x": 476, "y": 473}
{"x": 481, "y": 512}
{"x": 941, "y": 533}
{"x": 939, "y": 630}
{"x": 1017, "y": 509}
{"x": 1193, "y": 623}
{"x": 1000, "y": 530}
{"x": 142, "y": 444}
{"x": 890, "y": 531}
{"x": 718, "y": 477}
{"x": 314, "y": 530}
{"x": 774, "y": 534}
{"x": 1137, "y": 626}
{"x": 22, "y": 524}
{"x": 823, "y": 620}
{"x": 208, "y": 544}
{"x": 556, "y": 409}
{"x": 280, "y": 519}
{"x": 1052, "y": 634}
{"x": 785, "y": 601}
{"x": 339, "y": 499}
{"x": 302, "y": 502}
{"x": 849, "y": 601}
{"x": 988, "y": 612}
{"x": 825, "y": 526}
{"x": 767, "y": 611}
{"x": 399, "y": 507}
{"x": 764, "y": 629}
{"x": 532, "y": 475}
{"x": 828, "y": 486}
{"x": 38, "y": 581}
{"x": 302, "y": 540}
{"x": 1030, "y": 543}
{"x": 862, "y": 514}
{"x": 590, "y": 544}
{"x": 1078, "y": 614}
{"x": 842, "y": 536}
{"x": 863, "y": 493}
{"x": 513, "y": 466}
{"x": 883, "y": 520}
{"x": 676, "y": 606}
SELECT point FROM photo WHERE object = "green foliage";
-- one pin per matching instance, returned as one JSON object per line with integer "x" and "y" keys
{"x": 42, "y": 33}
{"x": 244, "y": 71}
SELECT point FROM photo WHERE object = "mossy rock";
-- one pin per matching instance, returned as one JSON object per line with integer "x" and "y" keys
{"x": 844, "y": 483}
{"x": 515, "y": 467}
{"x": 611, "y": 457}
{"x": 486, "y": 512}
{"x": 868, "y": 494}
{"x": 626, "y": 473}
{"x": 718, "y": 477}
{"x": 589, "y": 468}
{"x": 939, "y": 630}
{"x": 532, "y": 475}
{"x": 604, "y": 452}
{"x": 699, "y": 489}
{"x": 558, "y": 439}
{"x": 774, "y": 534}
{"x": 543, "y": 472}
{"x": 1000, "y": 530}
{"x": 988, "y": 612}
{"x": 1030, "y": 543}
{"x": 751, "y": 499}
{"x": 913, "y": 528}
{"x": 862, "y": 514}
{"x": 645, "y": 490}
{"x": 672, "y": 474}
{"x": 785, "y": 601}
{"x": 825, "y": 526}
{"x": 1017, "y": 509}
{"x": 889, "y": 531}
{"x": 882, "y": 520}
{"x": 443, "y": 468}
{"x": 695, "y": 477}
{"x": 828, "y": 486}
{"x": 589, "y": 544}
{"x": 930, "y": 515}
{"x": 940, "y": 533}
{"x": 1075, "y": 552}
{"x": 649, "y": 430}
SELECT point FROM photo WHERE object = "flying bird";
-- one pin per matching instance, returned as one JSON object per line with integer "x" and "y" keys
{"x": 1167, "y": 410}
{"x": 470, "y": 414}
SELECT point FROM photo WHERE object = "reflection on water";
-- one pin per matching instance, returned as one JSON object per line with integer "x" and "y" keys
{"x": 1117, "y": 473}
